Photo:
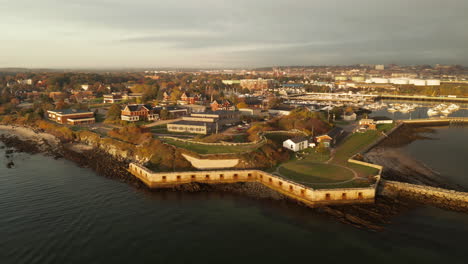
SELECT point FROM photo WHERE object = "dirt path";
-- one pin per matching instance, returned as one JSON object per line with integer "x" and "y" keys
{"x": 162, "y": 122}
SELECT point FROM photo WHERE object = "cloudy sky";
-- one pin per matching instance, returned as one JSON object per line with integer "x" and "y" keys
{"x": 225, "y": 33}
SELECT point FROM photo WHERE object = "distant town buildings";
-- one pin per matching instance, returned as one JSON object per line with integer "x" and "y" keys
{"x": 380, "y": 67}
{"x": 257, "y": 84}
{"x": 231, "y": 82}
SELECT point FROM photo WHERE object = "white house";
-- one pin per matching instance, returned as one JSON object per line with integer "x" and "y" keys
{"x": 349, "y": 116}
{"x": 296, "y": 144}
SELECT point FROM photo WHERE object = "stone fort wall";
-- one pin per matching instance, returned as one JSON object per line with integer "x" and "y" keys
{"x": 293, "y": 190}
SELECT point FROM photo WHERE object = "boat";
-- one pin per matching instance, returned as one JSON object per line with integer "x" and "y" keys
{"x": 446, "y": 111}
{"x": 432, "y": 112}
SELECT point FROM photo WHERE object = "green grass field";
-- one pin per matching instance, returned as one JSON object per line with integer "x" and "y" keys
{"x": 353, "y": 144}
{"x": 308, "y": 172}
{"x": 207, "y": 149}
{"x": 357, "y": 183}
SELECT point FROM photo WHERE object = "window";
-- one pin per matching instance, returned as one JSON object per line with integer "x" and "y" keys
{"x": 221, "y": 176}
{"x": 290, "y": 187}
{"x": 270, "y": 180}
{"x": 343, "y": 196}
{"x": 193, "y": 176}
{"x": 327, "y": 196}
{"x": 280, "y": 183}
{"x": 163, "y": 178}
{"x": 249, "y": 175}
{"x": 302, "y": 192}
{"x": 178, "y": 177}
{"x": 235, "y": 176}
{"x": 207, "y": 176}
{"x": 360, "y": 195}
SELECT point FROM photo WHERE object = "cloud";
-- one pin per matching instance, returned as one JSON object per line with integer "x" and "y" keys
{"x": 240, "y": 32}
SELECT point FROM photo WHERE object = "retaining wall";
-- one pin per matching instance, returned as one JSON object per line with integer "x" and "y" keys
{"x": 429, "y": 195}
{"x": 223, "y": 143}
{"x": 286, "y": 187}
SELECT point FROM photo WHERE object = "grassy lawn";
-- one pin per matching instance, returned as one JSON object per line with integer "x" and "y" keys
{"x": 362, "y": 170}
{"x": 317, "y": 157}
{"x": 353, "y": 144}
{"x": 357, "y": 183}
{"x": 308, "y": 172}
{"x": 207, "y": 149}
{"x": 385, "y": 127}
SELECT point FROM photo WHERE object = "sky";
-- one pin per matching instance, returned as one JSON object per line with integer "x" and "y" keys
{"x": 238, "y": 33}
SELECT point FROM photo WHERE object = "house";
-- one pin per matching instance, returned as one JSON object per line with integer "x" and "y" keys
{"x": 112, "y": 98}
{"x": 221, "y": 105}
{"x": 296, "y": 144}
{"x": 136, "y": 112}
{"x": 195, "y": 108}
{"x": 82, "y": 96}
{"x": 166, "y": 96}
{"x": 349, "y": 116}
{"x": 71, "y": 116}
{"x": 130, "y": 96}
{"x": 330, "y": 139}
{"x": 189, "y": 98}
{"x": 382, "y": 120}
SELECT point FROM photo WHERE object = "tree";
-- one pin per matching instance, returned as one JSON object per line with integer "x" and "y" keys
{"x": 242, "y": 105}
{"x": 164, "y": 114}
{"x": 114, "y": 112}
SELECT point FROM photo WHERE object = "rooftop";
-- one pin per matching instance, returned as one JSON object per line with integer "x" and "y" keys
{"x": 298, "y": 139}
{"x": 70, "y": 111}
{"x": 189, "y": 123}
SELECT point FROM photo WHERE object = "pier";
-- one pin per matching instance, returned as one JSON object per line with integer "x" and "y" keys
{"x": 424, "y": 98}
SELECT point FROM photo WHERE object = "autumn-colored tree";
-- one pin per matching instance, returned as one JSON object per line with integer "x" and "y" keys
{"x": 60, "y": 105}
{"x": 114, "y": 112}
{"x": 241, "y": 105}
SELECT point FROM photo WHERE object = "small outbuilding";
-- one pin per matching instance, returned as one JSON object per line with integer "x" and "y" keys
{"x": 330, "y": 139}
{"x": 296, "y": 144}
{"x": 382, "y": 120}
{"x": 349, "y": 116}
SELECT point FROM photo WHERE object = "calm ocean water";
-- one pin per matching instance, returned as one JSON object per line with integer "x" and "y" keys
{"x": 52, "y": 211}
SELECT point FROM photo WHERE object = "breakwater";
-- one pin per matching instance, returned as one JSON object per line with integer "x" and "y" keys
{"x": 301, "y": 193}
{"x": 437, "y": 121}
{"x": 439, "y": 197}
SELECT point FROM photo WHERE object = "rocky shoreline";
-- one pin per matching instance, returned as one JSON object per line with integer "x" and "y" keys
{"x": 366, "y": 216}
{"x": 398, "y": 166}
